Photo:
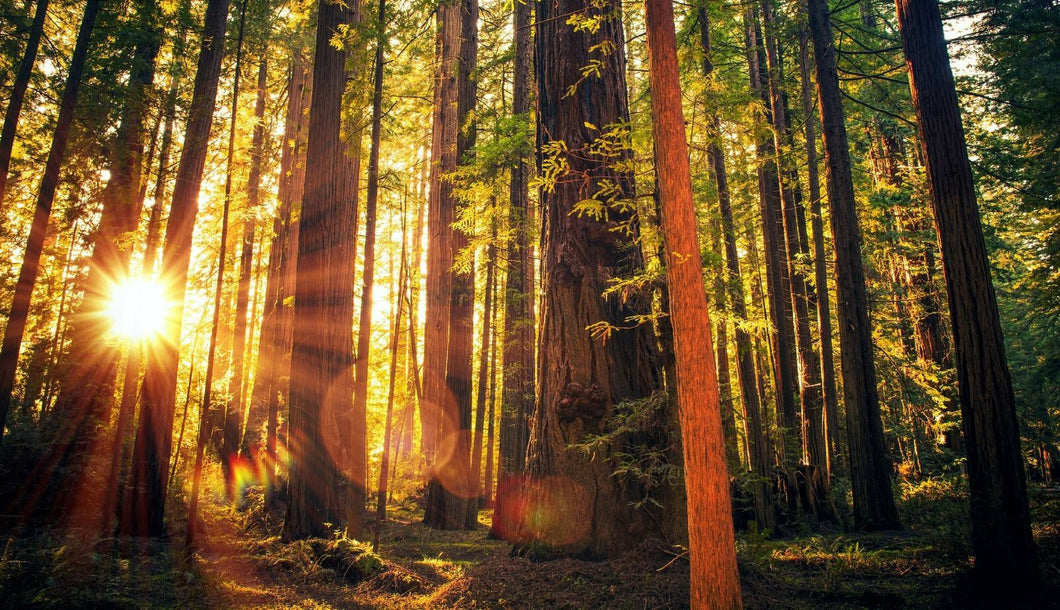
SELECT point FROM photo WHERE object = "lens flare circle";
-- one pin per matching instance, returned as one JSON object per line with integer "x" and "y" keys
{"x": 137, "y": 308}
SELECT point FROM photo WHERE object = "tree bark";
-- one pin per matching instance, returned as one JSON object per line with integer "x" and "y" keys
{"x": 870, "y": 465}
{"x": 483, "y": 370}
{"x": 321, "y": 359}
{"x": 1005, "y": 554}
{"x": 585, "y": 511}
{"x": 715, "y": 581}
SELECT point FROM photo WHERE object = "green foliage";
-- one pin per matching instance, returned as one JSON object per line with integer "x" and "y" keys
{"x": 638, "y": 434}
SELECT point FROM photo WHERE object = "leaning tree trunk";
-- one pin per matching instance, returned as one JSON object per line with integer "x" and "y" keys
{"x": 869, "y": 464}
{"x": 27, "y": 277}
{"x": 154, "y": 436}
{"x": 86, "y": 393}
{"x": 18, "y": 95}
{"x": 1005, "y": 555}
{"x": 582, "y": 507}
{"x": 714, "y": 579}
{"x": 321, "y": 358}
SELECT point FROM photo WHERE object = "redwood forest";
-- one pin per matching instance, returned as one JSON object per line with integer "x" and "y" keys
{"x": 530, "y": 304}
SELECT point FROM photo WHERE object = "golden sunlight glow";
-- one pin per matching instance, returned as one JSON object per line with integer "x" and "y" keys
{"x": 137, "y": 308}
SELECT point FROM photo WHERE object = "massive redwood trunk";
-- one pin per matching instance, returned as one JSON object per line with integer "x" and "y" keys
{"x": 582, "y": 506}
{"x": 322, "y": 351}
{"x": 1005, "y": 556}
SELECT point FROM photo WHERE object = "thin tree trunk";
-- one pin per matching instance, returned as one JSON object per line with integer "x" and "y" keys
{"x": 484, "y": 353}
{"x": 207, "y": 399}
{"x": 395, "y": 341}
{"x": 518, "y": 372}
{"x": 237, "y": 405}
{"x": 715, "y": 581}
{"x": 870, "y": 465}
{"x": 359, "y": 481}
{"x": 27, "y": 277}
{"x": 1005, "y": 555}
{"x": 18, "y": 96}
{"x": 759, "y": 449}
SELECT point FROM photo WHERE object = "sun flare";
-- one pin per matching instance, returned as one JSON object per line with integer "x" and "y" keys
{"x": 137, "y": 308}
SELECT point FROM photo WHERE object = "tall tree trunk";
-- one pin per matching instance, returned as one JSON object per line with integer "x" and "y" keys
{"x": 776, "y": 256}
{"x": 206, "y": 409}
{"x": 583, "y": 508}
{"x": 395, "y": 342}
{"x": 27, "y": 277}
{"x": 518, "y": 373}
{"x": 321, "y": 385}
{"x": 870, "y": 465}
{"x": 820, "y": 257}
{"x": 447, "y": 385}
{"x": 816, "y": 493}
{"x": 359, "y": 482}
{"x": 18, "y": 95}
{"x": 759, "y": 450}
{"x": 715, "y": 581}
{"x": 236, "y": 407}
{"x": 86, "y": 393}
{"x": 484, "y": 353}
{"x": 1005, "y": 555}
{"x": 274, "y": 340}
{"x": 154, "y": 436}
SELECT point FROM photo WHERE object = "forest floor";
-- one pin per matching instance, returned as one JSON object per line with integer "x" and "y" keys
{"x": 242, "y": 563}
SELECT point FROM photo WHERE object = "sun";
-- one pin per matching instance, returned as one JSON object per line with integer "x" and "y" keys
{"x": 137, "y": 308}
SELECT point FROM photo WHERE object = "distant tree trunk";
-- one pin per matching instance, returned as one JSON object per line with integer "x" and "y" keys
{"x": 321, "y": 359}
{"x": 814, "y": 493}
{"x": 491, "y": 418}
{"x": 274, "y": 341}
{"x": 1005, "y": 556}
{"x": 759, "y": 449}
{"x": 518, "y": 373}
{"x": 870, "y": 466}
{"x": 18, "y": 96}
{"x": 715, "y": 581}
{"x": 154, "y": 436}
{"x": 27, "y": 277}
{"x": 776, "y": 255}
{"x": 583, "y": 378}
{"x": 447, "y": 354}
{"x": 359, "y": 482}
{"x": 236, "y": 406}
{"x": 483, "y": 369}
{"x": 820, "y": 257}
{"x": 395, "y": 342}
{"x": 206, "y": 409}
